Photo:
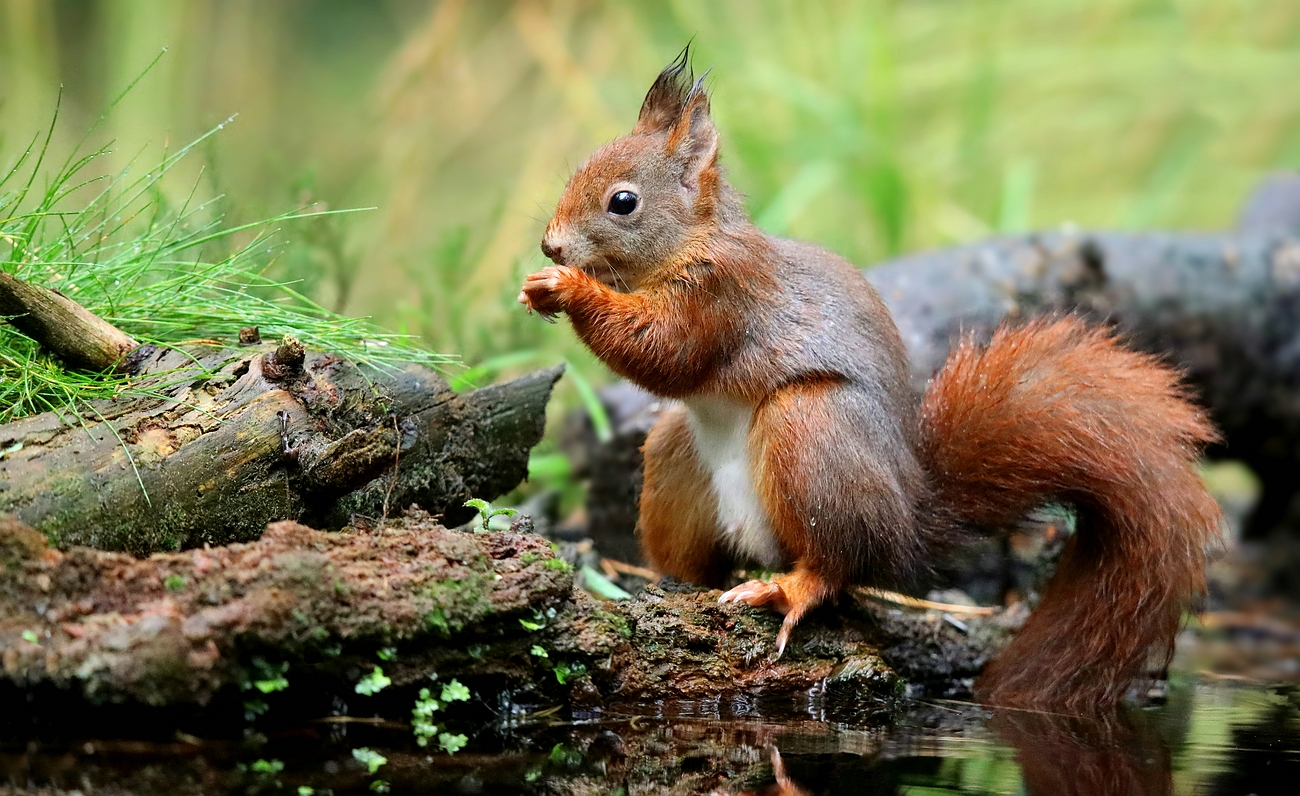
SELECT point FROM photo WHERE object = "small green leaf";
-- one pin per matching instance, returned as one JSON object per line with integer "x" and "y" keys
{"x": 601, "y": 586}
{"x": 561, "y": 755}
{"x": 380, "y": 786}
{"x": 422, "y": 725}
{"x": 371, "y": 759}
{"x": 531, "y": 625}
{"x": 452, "y": 744}
{"x": 30, "y": 636}
{"x": 267, "y": 766}
{"x": 272, "y": 685}
{"x": 538, "y": 651}
{"x": 306, "y": 790}
{"x": 270, "y": 676}
{"x": 425, "y": 705}
{"x": 563, "y": 672}
{"x": 387, "y": 653}
{"x": 455, "y": 692}
{"x": 484, "y": 510}
{"x": 373, "y": 683}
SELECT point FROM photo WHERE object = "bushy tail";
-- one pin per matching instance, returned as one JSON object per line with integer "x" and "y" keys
{"x": 1056, "y": 410}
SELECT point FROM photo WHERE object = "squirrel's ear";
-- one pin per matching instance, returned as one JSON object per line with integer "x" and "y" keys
{"x": 664, "y": 102}
{"x": 693, "y": 140}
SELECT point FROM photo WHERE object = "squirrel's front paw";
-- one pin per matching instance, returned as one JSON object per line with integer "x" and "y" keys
{"x": 547, "y": 291}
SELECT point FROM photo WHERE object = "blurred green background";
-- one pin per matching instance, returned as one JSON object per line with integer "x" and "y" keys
{"x": 872, "y": 127}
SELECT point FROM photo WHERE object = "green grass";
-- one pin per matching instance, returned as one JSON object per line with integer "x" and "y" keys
{"x": 164, "y": 273}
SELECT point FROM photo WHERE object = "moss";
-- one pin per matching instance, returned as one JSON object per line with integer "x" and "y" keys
{"x": 437, "y": 620}
{"x": 299, "y": 569}
{"x": 462, "y": 601}
{"x": 558, "y": 564}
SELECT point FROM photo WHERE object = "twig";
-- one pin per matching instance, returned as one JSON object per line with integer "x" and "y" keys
{"x": 614, "y": 568}
{"x": 916, "y": 602}
{"x": 62, "y": 326}
{"x": 1243, "y": 620}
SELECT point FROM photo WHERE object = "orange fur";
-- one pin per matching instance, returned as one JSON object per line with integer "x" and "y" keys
{"x": 673, "y": 332}
{"x": 677, "y": 528}
{"x": 1057, "y": 410}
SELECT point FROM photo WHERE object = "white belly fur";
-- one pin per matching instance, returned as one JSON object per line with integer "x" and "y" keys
{"x": 721, "y": 430}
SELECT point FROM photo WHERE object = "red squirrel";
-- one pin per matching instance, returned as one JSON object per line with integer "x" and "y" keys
{"x": 796, "y": 442}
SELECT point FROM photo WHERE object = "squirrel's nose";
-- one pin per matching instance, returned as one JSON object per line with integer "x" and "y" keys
{"x": 554, "y": 252}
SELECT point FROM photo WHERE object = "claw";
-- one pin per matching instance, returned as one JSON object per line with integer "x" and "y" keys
{"x": 783, "y": 637}
{"x": 754, "y": 593}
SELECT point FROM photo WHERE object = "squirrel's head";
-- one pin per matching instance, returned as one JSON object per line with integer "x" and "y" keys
{"x": 646, "y": 201}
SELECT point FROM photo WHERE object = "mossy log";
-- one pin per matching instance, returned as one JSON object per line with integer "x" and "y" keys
{"x": 319, "y": 607}
{"x": 211, "y": 446}
{"x": 219, "y": 455}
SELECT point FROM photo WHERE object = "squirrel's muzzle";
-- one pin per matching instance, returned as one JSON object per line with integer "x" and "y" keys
{"x": 553, "y": 251}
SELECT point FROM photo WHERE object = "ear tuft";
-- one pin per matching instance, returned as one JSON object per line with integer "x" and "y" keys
{"x": 693, "y": 139}
{"x": 667, "y": 98}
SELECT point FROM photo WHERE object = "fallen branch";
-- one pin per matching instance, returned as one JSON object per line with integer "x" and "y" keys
{"x": 211, "y": 445}
{"x": 66, "y": 329}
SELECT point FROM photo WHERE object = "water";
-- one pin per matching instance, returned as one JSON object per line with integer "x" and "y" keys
{"x": 1211, "y": 736}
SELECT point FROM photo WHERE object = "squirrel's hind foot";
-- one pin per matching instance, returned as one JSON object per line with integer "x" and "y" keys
{"x": 794, "y": 595}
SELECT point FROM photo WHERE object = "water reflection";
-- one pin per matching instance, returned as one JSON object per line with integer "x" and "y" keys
{"x": 1211, "y": 737}
{"x": 1119, "y": 755}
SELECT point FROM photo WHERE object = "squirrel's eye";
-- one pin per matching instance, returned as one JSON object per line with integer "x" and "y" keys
{"x": 622, "y": 203}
